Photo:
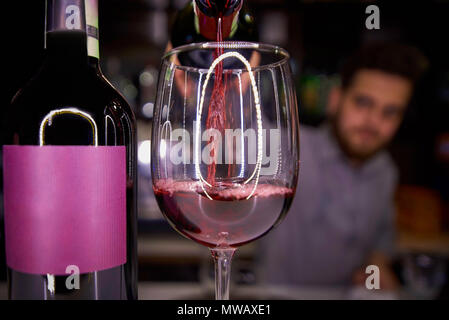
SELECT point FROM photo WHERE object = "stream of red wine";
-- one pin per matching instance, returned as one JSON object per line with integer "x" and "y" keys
{"x": 217, "y": 114}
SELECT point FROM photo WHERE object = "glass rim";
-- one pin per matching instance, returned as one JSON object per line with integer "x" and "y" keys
{"x": 261, "y": 47}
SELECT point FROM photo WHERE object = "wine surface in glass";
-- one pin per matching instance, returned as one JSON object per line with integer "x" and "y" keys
{"x": 230, "y": 219}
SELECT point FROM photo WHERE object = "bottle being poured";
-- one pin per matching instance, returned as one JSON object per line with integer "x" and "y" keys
{"x": 197, "y": 22}
{"x": 210, "y": 12}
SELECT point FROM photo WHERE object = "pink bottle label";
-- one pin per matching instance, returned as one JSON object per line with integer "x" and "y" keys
{"x": 64, "y": 205}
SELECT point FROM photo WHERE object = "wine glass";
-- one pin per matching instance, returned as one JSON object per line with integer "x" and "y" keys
{"x": 225, "y": 145}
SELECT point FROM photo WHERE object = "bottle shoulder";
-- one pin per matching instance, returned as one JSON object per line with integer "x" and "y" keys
{"x": 60, "y": 96}
{"x": 118, "y": 96}
{"x": 183, "y": 28}
{"x": 56, "y": 87}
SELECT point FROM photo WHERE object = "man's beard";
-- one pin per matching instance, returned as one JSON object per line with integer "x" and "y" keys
{"x": 352, "y": 153}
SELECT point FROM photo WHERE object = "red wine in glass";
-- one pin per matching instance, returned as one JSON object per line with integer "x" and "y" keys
{"x": 229, "y": 220}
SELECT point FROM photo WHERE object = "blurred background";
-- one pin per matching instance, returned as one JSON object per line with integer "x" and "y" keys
{"x": 319, "y": 35}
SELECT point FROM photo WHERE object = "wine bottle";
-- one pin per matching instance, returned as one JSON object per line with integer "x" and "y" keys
{"x": 197, "y": 22}
{"x": 70, "y": 171}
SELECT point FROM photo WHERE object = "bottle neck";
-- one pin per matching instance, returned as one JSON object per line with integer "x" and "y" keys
{"x": 93, "y": 45}
{"x": 72, "y": 32}
{"x": 209, "y": 13}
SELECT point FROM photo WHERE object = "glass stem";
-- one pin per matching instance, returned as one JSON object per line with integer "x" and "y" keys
{"x": 222, "y": 260}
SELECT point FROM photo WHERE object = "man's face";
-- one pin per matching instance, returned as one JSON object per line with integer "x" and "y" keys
{"x": 370, "y": 111}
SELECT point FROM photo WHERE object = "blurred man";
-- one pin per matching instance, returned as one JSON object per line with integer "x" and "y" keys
{"x": 341, "y": 219}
